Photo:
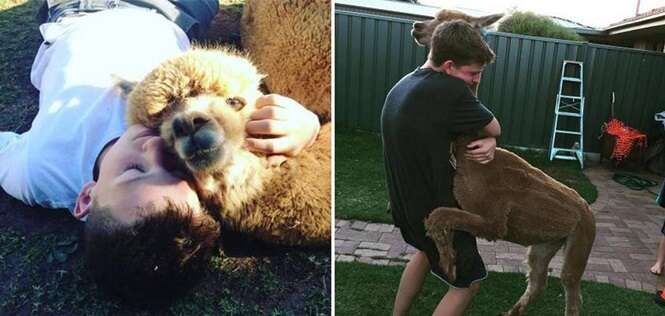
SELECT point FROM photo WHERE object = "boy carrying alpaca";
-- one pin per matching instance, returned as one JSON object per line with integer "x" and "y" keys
{"x": 421, "y": 116}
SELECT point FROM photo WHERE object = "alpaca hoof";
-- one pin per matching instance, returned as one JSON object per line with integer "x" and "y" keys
{"x": 515, "y": 311}
{"x": 447, "y": 265}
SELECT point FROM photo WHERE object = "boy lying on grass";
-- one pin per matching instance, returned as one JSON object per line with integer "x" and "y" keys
{"x": 147, "y": 237}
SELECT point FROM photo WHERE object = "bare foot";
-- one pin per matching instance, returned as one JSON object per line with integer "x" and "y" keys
{"x": 657, "y": 268}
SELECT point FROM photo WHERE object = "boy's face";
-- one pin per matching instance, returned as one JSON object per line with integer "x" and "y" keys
{"x": 471, "y": 74}
{"x": 137, "y": 173}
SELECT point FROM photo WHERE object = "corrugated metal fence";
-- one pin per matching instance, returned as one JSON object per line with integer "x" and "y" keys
{"x": 373, "y": 52}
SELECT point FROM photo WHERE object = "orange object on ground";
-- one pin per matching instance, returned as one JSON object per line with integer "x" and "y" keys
{"x": 626, "y": 138}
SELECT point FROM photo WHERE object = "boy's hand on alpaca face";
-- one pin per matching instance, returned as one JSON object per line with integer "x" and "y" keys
{"x": 481, "y": 150}
{"x": 289, "y": 126}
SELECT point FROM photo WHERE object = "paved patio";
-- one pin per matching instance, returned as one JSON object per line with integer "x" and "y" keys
{"x": 628, "y": 226}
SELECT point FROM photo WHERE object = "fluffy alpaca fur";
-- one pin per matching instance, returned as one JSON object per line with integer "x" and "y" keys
{"x": 201, "y": 102}
{"x": 289, "y": 41}
{"x": 511, "y": 200}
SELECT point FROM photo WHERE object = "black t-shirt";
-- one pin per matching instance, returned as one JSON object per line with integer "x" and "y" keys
{"x": 422, "y": 114}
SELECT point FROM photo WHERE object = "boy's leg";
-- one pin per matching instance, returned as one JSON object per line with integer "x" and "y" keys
{"x": 660, "y": 258}
{"x": 456, "y": 300}
{"x": 411, "y": 282}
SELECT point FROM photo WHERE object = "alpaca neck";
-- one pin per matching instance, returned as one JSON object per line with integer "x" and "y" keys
{"x": 238, "y": 183}
{"x": 461, "y": 163}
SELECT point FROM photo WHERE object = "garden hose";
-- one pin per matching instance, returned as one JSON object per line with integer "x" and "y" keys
{"x": 634, "y": 182}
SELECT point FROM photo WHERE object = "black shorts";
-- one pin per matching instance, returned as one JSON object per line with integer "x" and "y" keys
{"x": 469, "y": 265}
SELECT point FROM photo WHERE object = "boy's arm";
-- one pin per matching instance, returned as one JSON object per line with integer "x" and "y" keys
{"x": 492, "y": 129}
{"x": 482, "y": 150}
{"x": 470, "y": 116}
{"x": 12, "y": 167}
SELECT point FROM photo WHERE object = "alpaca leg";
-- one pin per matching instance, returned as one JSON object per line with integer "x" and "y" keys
{"x": 443, "y": 239}
{"x": 441, "y": 223}
{"x": 539, "y": 257}
{"x": 576, "y": 253}
{"x": 454, "y": 218}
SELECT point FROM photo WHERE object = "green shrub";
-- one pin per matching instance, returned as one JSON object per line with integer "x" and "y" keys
{"x": 528, "y": 23}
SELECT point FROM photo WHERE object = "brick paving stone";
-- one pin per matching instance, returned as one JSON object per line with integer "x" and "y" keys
{"x": 618, "y": 282}
{"x": 556, "y": 265}
{"x": 621, "y": 230}
{"x": 634, "y": 285}
{"x": 396, "y": 263}
{"x": 374, "y": 245}
{"x": 512, "y": 256}
{"x": 607, "y": 217}
{"x": 494, "y": 267}
{"x": 602, "y": 279}
{"x": 342, "y": 223}
{"x": 617, "y": 265}
{"x": 370, "y": 253}
{"x": 358, "y": 225}
{"x": 351, "y": 234}
{"x": 481, "y": 241}
{"x": 384, "y": 228}
{"x": 643, "y": 277}
{"x": 410, "y": 249}
{"x": 364, "y": 260}
{"x": 482, "y": 248}
{"x": 598, "y": 260}
{"x": 381, "y": 262}
{"x": 345, "y": 246}
{"x": 648, "y": 287}
{"x": 488, "y": 258}
{"x": 345, "y": 258}
{"x": 517, "y": 249}
{"x": 396, "y": 251}
{"x": 391, "y": 238}
{"x": 598, "y": 224}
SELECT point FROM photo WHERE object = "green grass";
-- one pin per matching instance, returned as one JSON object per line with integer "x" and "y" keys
{"x": 360, "y": 185}
{"x": 293, "y": 282}
{"x": 362, "y": 289}
{"x": 41, "y": 265}
{"x": 360, "y": 188}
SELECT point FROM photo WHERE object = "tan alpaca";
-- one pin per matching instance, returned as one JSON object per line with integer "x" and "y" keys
{"x": 201, "y": 102}
{"x": 289, "y": 41}
{"x": 511, "y": 200}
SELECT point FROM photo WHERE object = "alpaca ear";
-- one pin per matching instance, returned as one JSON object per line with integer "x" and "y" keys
{"x": 484, "y": 21}
{"x": 124, "y": 86}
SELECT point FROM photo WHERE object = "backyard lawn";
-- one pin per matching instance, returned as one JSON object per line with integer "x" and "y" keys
{"x": 41, "y": 266}
{"x": 360, "y": 189}
{"x": 362, "y": 289}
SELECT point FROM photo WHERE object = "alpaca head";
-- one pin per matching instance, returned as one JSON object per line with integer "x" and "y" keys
{"x": 422, "y": 31}
{"x": 200, "y": 101}
{"x": 208, "y": 132}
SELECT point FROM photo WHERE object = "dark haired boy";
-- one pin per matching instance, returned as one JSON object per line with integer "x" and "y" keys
{"x": 422, "y": 115}
{"x": 147, "y": 237}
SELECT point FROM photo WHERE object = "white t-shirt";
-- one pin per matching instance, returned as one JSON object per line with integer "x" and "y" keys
{"x": 79, "y": 108}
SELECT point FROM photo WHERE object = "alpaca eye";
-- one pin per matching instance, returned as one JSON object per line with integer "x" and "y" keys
{"x": 236, "y": 103}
